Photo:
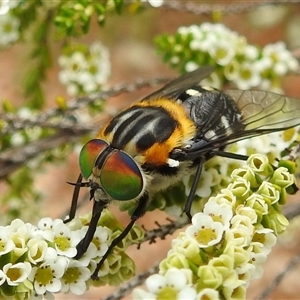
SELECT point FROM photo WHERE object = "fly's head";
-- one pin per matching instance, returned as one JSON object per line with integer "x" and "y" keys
{"x": 113, "y": 174}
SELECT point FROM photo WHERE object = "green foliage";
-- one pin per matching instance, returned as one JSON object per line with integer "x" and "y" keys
{"x": 75, "y": 18}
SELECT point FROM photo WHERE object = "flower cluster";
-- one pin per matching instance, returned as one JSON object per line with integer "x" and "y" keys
{"x": 218, "y": 169}
{"x": 84, "y": 69}
{"x": 36, "y": 261}
{"x": 235, "y": 60}
{"x": 226, "y": 245}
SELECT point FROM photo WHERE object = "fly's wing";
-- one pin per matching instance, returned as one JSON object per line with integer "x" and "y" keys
{"x": 258, "y": 112}
{"x": 174, "y": 88}
{"x": 265, "y": 110}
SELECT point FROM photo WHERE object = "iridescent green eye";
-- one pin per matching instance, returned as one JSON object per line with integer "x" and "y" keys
{"x": 120, "y": 177}
{"x": 88, "y": 154}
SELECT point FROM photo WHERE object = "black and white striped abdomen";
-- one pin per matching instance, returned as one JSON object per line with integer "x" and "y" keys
{"x": 140, "y": 126}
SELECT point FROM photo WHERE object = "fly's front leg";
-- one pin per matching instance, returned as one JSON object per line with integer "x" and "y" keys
{"x": 75, "y": 196}
{"x": 138, "y": 212}
{"x": 85, "y": 242}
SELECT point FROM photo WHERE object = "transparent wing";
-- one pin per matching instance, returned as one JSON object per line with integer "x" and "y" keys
{"x": 261, "y": 113}
{"x": 265, "y": 110}
{"x": 174, "y": 88}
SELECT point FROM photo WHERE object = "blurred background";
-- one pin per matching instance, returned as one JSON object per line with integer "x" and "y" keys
{"x": 128, "y": 39}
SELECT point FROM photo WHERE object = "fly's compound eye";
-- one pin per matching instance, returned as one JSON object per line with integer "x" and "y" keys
{"x": 88, "y": 155}
{"x": 120, "y": 177}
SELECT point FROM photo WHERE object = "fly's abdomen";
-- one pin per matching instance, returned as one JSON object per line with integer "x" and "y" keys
{"x": 149, "y": 131}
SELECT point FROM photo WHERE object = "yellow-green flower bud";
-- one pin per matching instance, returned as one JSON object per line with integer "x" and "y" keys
{"x": 176, "y": 260}
{"x": 209, "y": 277}
{"x": 282, "y": 177}
{"x": 260, "y": 164}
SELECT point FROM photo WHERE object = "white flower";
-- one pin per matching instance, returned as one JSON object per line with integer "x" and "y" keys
{"x": 65, "y": 240}
{"x": 75, "y": 278}
{"x": 9, "y": 29}
{"x": 46, "y": 229}
{"x": 99, "y": 244}
{"x": 206, "y": 182}
{"x": 205, "y": 230}
{"x": 73, "y": 64}
{"x": 6, "y": 244}
{"x": 219, "y": 212}
{"x": 17, "y": 139}
{"x": 222, "y": 52}
{"x": 249, "y": 76}
{"x": 16, "y": 273}
{"x": 266, "y": 237}
{"x": 257, "y": 259}
{"x": 45, "y": 223}
{"x": 175, "y": 284}
{"x": 204, "y": 186}
{"x": 46, "y": 277}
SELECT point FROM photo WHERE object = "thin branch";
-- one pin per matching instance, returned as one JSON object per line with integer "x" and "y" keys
{"x": 106, "y": 94}
{"x": 42, "y": 119}
{"x": 16, "y": 123}
{"x": 163, "y": 230}
{"x": 12, "y": 159}
{"x": 126, "y": 288}
{"x": 293, "y": 263}
{"x": 225, "y": 8}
